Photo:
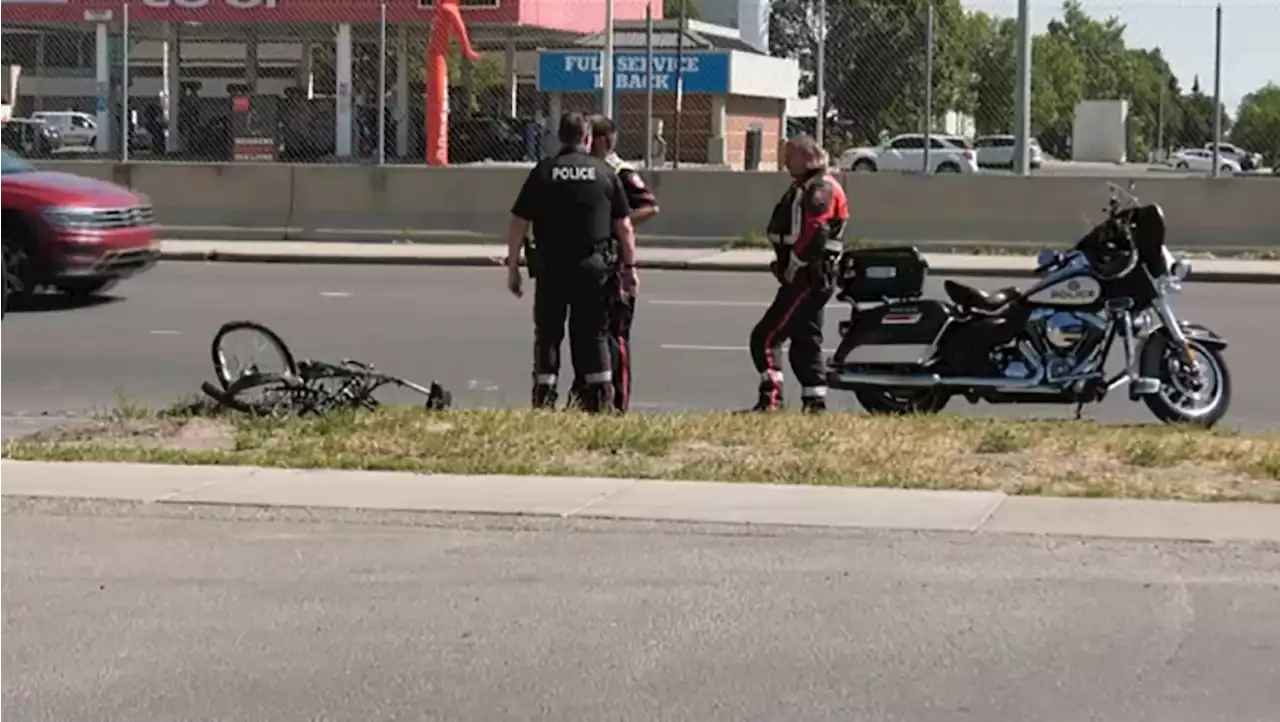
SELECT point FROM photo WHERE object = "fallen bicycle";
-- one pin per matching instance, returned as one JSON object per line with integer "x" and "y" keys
{"x": 283, "y": 386}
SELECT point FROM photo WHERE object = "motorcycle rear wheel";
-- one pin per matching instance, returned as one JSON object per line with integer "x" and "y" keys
{"x": 901, "y": 401}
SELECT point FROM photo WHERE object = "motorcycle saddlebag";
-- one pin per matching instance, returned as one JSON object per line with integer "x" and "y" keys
{"x": 868, "y": 275}
{"x": 905, "y": 323}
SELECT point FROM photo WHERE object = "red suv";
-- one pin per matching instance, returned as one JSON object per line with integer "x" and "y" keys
{"x": 71, "y": 233}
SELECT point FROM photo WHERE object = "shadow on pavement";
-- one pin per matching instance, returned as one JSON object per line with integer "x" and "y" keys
{"x": 54, "y": 302}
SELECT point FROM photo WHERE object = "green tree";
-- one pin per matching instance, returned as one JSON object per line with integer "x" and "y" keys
{"x": 671, "y": 9}
{"x": 875, "y": 60}
{"x": 1058, "y": 80}
{"x": 1196, "y": 128}
{"x": 993, "y": 72}
{"x": 1257, "y": 126}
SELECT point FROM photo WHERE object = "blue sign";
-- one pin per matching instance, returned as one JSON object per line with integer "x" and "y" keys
{"x": 578, "y": 71}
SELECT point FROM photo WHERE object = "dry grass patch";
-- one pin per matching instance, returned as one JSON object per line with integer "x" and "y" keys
{"x": 1057, "y": 458}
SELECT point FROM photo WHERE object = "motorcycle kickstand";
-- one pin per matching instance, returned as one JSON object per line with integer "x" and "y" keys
{"x": 1079, "y": 410}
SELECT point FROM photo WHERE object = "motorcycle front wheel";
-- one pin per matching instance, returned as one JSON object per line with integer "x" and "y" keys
{"x": 901, "y": 401}
{"x": 1199, "y": 396}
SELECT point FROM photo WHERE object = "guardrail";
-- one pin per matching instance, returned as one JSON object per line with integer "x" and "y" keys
{"x": 275, "y": 201}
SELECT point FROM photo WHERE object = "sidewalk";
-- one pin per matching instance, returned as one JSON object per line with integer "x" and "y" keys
{"x": 708, "y": 502}
{"x": 684, "y": 259}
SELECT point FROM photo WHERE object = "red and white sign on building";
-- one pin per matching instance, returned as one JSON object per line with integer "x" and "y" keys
{"x": 586, "y": 16}
{"x": 249, "y": 11}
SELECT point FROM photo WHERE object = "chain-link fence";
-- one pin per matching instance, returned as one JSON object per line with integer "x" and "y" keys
{"x": 290, "y": 80}
{"x": 346, "y": 80}
{"x": 1159, "y": 58}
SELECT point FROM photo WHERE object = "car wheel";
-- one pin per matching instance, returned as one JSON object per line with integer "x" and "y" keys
{"x": 15, "y": 273}
{"x": 948, "y": 168}
{"x": 1182, "y": 165}
{"x": 864, "y": 166}
{"x": 1226, "y": 169}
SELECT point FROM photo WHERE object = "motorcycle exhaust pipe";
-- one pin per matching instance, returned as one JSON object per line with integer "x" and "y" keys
{"x": 847, "y": 379}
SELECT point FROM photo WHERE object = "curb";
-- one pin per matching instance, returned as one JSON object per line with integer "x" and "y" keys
{"x": 622, "y": 499}
{"x": 703, "y": 265}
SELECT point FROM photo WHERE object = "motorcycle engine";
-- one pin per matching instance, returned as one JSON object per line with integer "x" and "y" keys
{"x": 1066, "y": 338}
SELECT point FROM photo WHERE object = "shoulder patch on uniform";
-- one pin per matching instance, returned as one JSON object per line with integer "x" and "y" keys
{"x": 820, "y": 196}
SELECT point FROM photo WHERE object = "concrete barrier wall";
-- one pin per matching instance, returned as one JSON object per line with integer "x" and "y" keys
{"x": 283, "y": 201}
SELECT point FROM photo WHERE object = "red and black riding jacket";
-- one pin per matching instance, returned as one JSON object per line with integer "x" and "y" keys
{"x": 810, "y": 219}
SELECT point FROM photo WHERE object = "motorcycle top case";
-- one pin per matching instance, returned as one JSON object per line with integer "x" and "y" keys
{"x": 867, "y": 275}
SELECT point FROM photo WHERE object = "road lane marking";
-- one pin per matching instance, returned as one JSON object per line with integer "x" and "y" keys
{"x": 699, "y": 347}
{"x": 335, "y": 294}
{"x": 665, "y": 302}
{"x": 165, "y": 332}
{"x": 723, "y": 304}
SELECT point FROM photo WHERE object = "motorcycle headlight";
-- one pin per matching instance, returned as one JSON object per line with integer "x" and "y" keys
{"x": 1180, "y": 269}
{"x": 71, "y": 218}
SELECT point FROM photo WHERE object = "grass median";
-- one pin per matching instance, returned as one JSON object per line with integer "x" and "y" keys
{"x": 1021, "y": 457}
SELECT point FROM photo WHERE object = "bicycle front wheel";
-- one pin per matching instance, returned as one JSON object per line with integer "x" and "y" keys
{"x": 247, "y": 347}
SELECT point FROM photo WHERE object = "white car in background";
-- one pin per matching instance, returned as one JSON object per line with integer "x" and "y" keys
{"x": 905, "y": 154}
{"x": 996, "y": 151}
{"x": 1200, "y": 160}
{"x": 1242, "y": 157}
{"x": 75, "y": 128}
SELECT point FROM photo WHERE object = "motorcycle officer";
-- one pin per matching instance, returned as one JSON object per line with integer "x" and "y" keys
{"x": 575, "y": 204}
{"x": 806, "y": 230}
{"x": 644, "y": 206}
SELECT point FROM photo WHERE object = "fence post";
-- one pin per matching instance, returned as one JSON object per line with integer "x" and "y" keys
{"x": 1217, "y": 88}
{"x": 126, "y": 123}
{"x": 382, "y": 82}
{"x": 928, "y": 90}
{"x": 1022, "y": 93}
{"x": 820, "y": 121}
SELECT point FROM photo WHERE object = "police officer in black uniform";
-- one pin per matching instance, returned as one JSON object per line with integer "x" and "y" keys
{"x": 644, "y": 206}
{"x": 576, "y": 205}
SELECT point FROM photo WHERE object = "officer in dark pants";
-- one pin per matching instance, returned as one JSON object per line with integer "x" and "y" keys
{"x": 604, "y": 141}
{"x": 575, "y": 205}
{"x": 806, "y": 230}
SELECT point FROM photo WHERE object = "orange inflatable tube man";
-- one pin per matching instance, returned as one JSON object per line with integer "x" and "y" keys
{"x": 446, "y": 24}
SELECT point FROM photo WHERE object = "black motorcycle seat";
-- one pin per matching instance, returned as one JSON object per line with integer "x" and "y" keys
{"x": 970, "y": 297}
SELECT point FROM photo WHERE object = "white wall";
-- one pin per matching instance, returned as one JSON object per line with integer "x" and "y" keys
{"x": 763, "y": 76}
{"x": 1099, "y": 134}
{"x": 753, "y": 23}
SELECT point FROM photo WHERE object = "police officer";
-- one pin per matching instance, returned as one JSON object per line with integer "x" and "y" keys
{"x": 604, "y": 141}
{"x": 805, "y": 229}
{"x": 575, "y": 204}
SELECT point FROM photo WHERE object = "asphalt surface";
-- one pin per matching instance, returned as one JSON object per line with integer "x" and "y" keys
{"x": 216, "y": 613}
{"x": 151, "y": 343}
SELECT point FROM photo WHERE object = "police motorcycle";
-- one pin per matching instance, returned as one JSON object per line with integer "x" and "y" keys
{"x": 1047, "y": 343}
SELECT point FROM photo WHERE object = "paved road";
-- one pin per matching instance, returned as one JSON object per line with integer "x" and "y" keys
{"x": 116, "y": 615}
{"x": 459, "y": 325}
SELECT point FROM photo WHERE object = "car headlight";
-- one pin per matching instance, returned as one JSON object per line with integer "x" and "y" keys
{"x": 71, "y": 218}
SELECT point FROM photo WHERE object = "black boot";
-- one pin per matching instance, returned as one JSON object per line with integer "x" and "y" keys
{"x": 768, "y": 402}
{"x": 597, "y": 398}
{"x": 814, "y": 405}
{"x": 544, "y": 397}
